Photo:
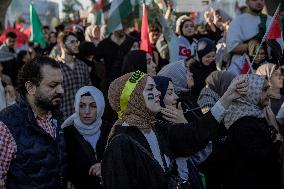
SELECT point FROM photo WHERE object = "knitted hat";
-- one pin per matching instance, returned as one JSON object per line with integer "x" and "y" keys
{"x": 205, "y": 46}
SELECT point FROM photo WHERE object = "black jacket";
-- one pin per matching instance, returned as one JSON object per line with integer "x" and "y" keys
{"x": 81, "y": 156}
{"x": 252, "y": 156}
{"x": 40, "y": 158}
{"x": 125, "y": 165}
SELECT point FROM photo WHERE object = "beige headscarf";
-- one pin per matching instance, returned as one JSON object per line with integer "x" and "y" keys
{"x": 136, "y": 113}
{"x": 246, "y": 105}
{"x": 90, "y": 34}
{"x": 267, "y": 70}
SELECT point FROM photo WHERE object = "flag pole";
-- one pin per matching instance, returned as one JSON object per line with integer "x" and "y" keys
{"x": 265, "y": 35}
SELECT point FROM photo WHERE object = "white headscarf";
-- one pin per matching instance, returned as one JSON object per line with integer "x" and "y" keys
{"x": 177, "y": 72}
{"x": 247, "y": 105}
{"x": 90, "y": 132}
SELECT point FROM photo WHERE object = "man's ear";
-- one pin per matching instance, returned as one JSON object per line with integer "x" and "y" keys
{"x": 30, "y": 87}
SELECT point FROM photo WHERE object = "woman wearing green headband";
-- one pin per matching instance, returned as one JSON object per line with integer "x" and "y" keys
{"x": 139, "y": 152}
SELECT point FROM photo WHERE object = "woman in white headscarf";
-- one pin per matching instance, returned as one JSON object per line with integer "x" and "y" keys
{"x": 253, "y": 141}
{"x": 86, "y": 138}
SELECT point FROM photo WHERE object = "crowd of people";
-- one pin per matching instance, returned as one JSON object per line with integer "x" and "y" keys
{"x": 96, "y": 111}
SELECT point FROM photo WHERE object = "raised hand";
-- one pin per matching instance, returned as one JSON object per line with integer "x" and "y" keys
{"x": 234, "y": 91}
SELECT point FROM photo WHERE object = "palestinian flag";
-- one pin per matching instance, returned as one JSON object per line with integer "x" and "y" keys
{"x": 119, "y": 10}
{"x": 276, "y": 28}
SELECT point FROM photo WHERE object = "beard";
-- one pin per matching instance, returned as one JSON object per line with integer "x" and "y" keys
{"x": 257, "y": 11}
{"x": 69, "y": 51}
{"x": 45, "y": 103}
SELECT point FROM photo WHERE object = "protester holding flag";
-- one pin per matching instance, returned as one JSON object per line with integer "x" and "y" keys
{"x": 244, "y": 65}
{"x": 187, "y": 44}
{"x": 253, "y": 25}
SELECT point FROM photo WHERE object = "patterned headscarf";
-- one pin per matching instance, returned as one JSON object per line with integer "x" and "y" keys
{"x": 216, "y": 85}
{"x": 247, "y": 105}
{"x": 136, "y": 113}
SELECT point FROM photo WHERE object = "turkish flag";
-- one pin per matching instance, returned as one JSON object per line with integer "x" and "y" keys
{"x": 183, "y": 51}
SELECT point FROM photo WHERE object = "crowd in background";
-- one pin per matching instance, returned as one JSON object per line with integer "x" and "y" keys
{"x": 94, "y": 111}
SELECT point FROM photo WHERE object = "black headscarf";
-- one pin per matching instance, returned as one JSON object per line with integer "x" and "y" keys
{"x": 162, "y": 84}
{"x": 133, "y": 61}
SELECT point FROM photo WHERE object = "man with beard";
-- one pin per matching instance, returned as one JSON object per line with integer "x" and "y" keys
{"x": 32, "y": 148}
{"x": 247, "y": 26}
{"x": 75, "y": 72}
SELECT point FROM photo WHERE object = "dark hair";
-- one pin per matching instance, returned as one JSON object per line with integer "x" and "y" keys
{"x": 87, "y": 49}
{"x": 86, "y": 94}
{"x": 63, "y": 37}
{"x": 11, "y": 35}
{"x": 45, "y": 27}
{"x": 133, "y": 61}
{"x": 154, "y": 28}
{"x": 59, "y": 28}
{"x": 52, "y": 33}
{"x": 32, "y": 72}
{"x": 22, "y": 54}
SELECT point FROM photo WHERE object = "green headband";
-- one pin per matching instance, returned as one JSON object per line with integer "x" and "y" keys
{"x": 127, "y": 91}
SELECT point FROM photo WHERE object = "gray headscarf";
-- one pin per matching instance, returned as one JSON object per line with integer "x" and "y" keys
{"x": 177, "y": 72}
{"x": 216, "y": 85}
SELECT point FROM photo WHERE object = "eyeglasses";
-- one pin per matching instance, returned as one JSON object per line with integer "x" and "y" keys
{"x": 73, "y": 42}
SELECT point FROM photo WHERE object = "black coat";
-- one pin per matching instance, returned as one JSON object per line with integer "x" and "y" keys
{"x": 200, "y": 73}
{"x": 81, "y": 156}
{"x": 252, "y": 157}
{"x": 126, "y": 166}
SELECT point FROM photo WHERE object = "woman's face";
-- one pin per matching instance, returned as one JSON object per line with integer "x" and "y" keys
{"x": 170, "y": 98}
{"x": 189, "y": 79}
{"x": 276, "y": 79}
{"x": 52, "y": 38}
{"x": 151, "y": 66}
{"x": 87, "y": 110}
{"x": 208, "y": 58}
{"x": 188, "y": 29}
{"x": 96, "y": 32}
{"x": 152, "y": 95}
{"x": 264, "y": 100}
{"x": 260, "y": 57}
